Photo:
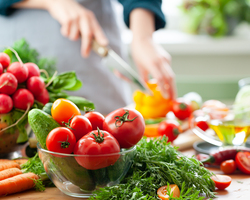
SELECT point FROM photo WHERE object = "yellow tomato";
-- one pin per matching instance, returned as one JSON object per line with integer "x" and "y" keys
{"x": 63, "y": 109}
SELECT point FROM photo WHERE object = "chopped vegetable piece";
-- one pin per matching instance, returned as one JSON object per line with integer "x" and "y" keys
{"x": 221, "y": 181}
{"x": 163, "y": 192}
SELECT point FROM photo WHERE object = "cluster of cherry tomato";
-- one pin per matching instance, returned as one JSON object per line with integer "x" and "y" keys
{"x": 92, "y": 134}
{"x": 20, "y": 85}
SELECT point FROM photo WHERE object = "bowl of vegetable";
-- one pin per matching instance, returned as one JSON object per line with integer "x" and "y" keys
{"x": 75, "y": 180}
{"x": 222, "y": 125}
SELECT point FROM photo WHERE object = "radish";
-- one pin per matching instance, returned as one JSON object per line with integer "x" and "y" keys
{"x": 19, "y": 71}
{"x": 35, "y": 85}
{"x": 33, "y": 69}
{"x": 1, "y": 68}
{"x": 8, "y": 83}
{"x": 4, "y": 59}
{"x": 44, "y": 97}
{"x": 6, "y": 103}
{"x": 23, "y": 98}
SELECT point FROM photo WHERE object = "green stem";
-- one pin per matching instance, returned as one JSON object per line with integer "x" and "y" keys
{"x": 123, "y": 118}
{"x": 98, "y": 138}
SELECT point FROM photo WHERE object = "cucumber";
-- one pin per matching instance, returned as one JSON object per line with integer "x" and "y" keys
{"x": 41, "y": 123}
{"x": 47, "y": 108}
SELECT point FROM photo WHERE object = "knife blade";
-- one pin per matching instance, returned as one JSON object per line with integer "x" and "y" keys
{"x": 123, "y": 67}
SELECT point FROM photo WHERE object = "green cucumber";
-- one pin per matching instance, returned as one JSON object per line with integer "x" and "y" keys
{"x": 41, "y": 123}
{"x": 47, "y": 108}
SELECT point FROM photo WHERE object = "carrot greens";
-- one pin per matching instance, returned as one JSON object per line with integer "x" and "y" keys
{"x": 156, "y": 164}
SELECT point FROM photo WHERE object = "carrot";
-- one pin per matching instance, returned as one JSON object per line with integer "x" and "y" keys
{"x": 9, "y": 164}
{"x": 18, "y": 183}
{"x": 7, "y": 173}
{"x": 20, "y": 161}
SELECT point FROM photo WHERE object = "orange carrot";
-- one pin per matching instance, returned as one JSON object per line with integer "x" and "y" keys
{"x": 7, "y": 173}
{"x": 9, "y": 164}
{"x": 20, "y": 161}
{"x": 17, "y": 183}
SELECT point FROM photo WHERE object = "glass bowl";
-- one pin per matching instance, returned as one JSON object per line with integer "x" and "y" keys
{"x": 76, "y": 181}
{"x": 228, "y": 126}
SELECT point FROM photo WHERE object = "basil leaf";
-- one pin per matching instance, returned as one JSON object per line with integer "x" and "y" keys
{"x": 64, "y": 81}
{"x": 81, "y": 102}
{"x": 77, "y": 86}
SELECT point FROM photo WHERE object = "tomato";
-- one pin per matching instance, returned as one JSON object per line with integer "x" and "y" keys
{"x": 169, "y": 128}
{"x": 228, "y": 166}
{"x": 96, "y": 148}
{"x": 126, "y": 125}
{"x": 242, "y": 160}
{"x": 181, "y": 109}
{"x": 96, "y": 119}
{"x": 62, "y": 110}
{"x": 163, "y": 191}
{"x": 61, "y": 140}
{"x": 80, "y": 126}
{"x": 202, "y": 124}
{"x": 221, "y": 181}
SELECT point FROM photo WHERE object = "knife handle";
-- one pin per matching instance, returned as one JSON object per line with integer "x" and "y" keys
{"x": 100, "y": 50}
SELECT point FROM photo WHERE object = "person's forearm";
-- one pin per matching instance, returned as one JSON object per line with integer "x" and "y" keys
{"x": 32, "y": 4}
{"x": 142, "y": 23}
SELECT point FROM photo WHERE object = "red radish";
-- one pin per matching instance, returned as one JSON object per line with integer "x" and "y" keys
{"x": 22, "y": 98}
{"x": 44, "y": 97}
{"x": 19, "y": 71}
{"x": 4, "y": 59}
{"x": 6, "y": 103}
{"x": 1, "y": 68}
{"x": 8, "y": 83}
{"x": 35, "y": 85}
{"x": 33, "y": 69}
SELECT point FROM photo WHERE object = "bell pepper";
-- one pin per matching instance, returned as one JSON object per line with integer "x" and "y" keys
{"x": 154, "y": 106}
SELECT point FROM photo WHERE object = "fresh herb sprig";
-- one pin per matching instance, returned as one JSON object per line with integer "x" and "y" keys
{"x": 156, "y": 164}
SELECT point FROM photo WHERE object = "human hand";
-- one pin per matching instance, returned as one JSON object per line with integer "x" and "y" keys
{"x": 151, "y": 58}
{"x": 77, "y": 21}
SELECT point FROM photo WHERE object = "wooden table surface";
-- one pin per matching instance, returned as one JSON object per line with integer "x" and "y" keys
{"x": 239, "y": 188}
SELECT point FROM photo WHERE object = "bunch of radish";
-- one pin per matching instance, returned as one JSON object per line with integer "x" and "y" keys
{"x": 20, "y": 84}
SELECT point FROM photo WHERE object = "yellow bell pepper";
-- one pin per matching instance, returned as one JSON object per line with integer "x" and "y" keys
{"x": 152, "y": 106}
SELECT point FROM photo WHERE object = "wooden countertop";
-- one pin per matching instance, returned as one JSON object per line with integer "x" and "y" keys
{"x": 239, "y": 188}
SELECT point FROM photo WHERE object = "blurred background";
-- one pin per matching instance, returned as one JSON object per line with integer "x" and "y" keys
{"x": 209, "y": 42}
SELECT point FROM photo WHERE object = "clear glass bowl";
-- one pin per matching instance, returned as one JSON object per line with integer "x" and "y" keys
{"x": 229, "y": 126}
{"x": 76, "y": 181}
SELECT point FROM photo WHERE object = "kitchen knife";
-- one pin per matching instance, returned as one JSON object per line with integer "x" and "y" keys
{"x": 124, "y": 69}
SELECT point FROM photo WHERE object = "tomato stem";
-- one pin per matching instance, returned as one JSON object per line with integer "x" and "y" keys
{"x": 183, "y": 106}
{"x": 87, "y": 109}
{"x": 67, "y": 124}
{"x": 176, "y": 131}
{"x": 123, "y": 118}
{"x": 64, "y": 144}
{"x": 99, "y": 138}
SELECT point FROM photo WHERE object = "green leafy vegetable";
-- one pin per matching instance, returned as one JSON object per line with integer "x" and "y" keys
{"x": 156, "y": 164}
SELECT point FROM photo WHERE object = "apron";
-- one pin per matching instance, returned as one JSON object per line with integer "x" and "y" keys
{"x": 42, "y": 32}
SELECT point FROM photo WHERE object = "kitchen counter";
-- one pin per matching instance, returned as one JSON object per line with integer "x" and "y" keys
{"x": 239, "y": 188}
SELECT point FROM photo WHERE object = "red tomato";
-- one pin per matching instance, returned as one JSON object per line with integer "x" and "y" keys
{"x": 80, "y": 126}
{"x": 203, "y": 125}
{"x": 162, "y": 191}
{"x": 94, "y": 148}
{"x": 126, "y": 125}
{"x": 96, "y": 119}
{"x": 242, "y": 160}
{"x": 221, "y": 181}
{"x": 228, "y": 166}
{"x": 61, "y": 140}
{"x": 169, "y": 128}
{"x": 181, "y": 109}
